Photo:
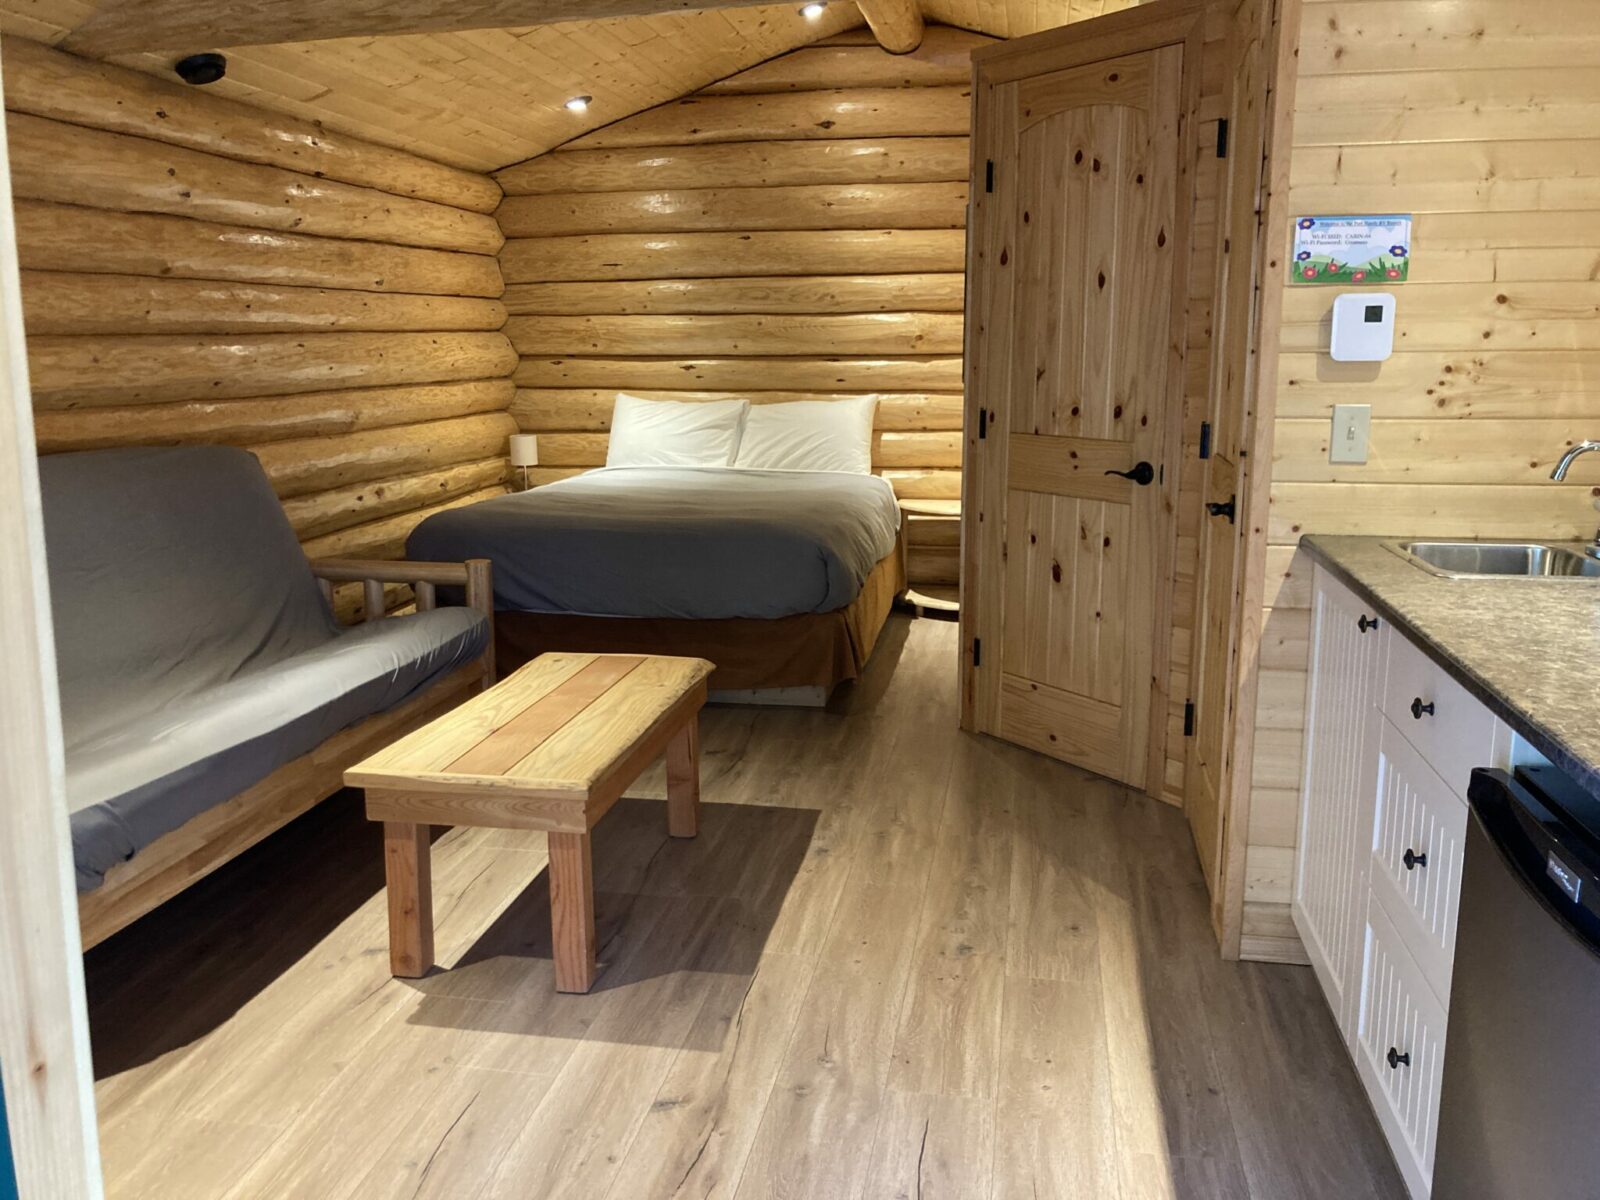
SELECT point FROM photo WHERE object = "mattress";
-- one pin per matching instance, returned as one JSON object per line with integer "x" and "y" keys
{"x": 701, "y": 543}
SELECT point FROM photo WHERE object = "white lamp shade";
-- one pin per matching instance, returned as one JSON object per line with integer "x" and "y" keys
{"x": 524, "y": 450}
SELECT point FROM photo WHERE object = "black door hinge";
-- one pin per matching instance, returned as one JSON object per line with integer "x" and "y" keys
{"x": 1188, "y": 718}
{"x": 983, "y": 423}
{"x": 1222, "y": 138}
{"x": 988, "y": 175}
{"x": 1205, "y": 439}
{"x": 977, "y": 652}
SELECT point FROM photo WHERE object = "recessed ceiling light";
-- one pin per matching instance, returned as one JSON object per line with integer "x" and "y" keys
{"x": 814, "y": 10}
{"x": 579, "y": 103}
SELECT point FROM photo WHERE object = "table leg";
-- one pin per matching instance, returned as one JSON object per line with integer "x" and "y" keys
{"x": 408, "y": 870}
{"x": 683, "y": 781}
{"x": 572, "y": 910}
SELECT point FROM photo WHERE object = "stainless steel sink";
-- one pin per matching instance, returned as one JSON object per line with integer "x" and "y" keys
{"x": 1527, "y": 560}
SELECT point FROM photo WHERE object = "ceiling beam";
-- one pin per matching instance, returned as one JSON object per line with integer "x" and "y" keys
{"x": 897, "y": 24}
{"x": 188, "y": 26}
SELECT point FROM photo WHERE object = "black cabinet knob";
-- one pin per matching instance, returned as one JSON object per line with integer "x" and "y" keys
{"x": 1398, "y": 1060}
{"x": 1223, "y": 508}
{"x": 1413, "y": 860}
{"x": 1418, "y": 708}
{"x": 1366, "y": 623}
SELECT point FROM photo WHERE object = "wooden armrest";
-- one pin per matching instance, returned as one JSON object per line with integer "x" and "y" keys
{"x": 424, "y": 577}
{"x": 389, "y": 570}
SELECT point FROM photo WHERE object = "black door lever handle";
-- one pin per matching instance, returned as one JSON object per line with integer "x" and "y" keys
{"x": 1222, "y": 508}
{"x": 1142, "y": 473}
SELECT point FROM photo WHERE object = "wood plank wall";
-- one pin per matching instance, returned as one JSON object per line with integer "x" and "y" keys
{"x": 1484, "y": 121}
{"x": 794, "y": 231}
{"x": 196, "y": 270}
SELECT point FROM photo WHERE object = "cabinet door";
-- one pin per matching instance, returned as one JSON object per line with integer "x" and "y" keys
{"x": 1338, "y": 789}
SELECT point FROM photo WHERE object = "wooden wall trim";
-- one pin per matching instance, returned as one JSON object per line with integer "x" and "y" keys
{"x": 44, "y": 1026}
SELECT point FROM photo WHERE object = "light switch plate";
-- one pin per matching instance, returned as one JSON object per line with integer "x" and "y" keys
{"x": 1352, "y": 429}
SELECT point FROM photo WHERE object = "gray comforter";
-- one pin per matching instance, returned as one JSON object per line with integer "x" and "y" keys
{"x": 701, "y": 543}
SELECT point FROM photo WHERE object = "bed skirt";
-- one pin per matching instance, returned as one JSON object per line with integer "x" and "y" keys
{"x": 808, "y": 650}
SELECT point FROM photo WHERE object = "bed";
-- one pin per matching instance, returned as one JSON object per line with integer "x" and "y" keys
{"x": 783, "y": 578}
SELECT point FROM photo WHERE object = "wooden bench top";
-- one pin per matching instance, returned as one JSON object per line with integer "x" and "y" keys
{"x": 565, "y": 727}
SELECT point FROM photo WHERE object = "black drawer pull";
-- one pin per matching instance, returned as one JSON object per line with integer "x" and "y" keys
{"x": 1413, "y": 860}
{"x": 1367, "y": 623}
{"x": 1398, "y": 1060}
{"x": 1418, "y": 708}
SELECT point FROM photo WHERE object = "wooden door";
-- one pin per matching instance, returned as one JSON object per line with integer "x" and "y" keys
{"x": 1076, "y": 292}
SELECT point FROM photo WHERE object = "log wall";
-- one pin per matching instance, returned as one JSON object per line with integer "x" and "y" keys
{"x": 795, "y": 231}
{"x": 1483, "y": 122}
{"x": 195, "y": 270}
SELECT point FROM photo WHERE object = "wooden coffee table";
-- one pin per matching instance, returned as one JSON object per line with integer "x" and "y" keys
{"x": 552, "y": 746}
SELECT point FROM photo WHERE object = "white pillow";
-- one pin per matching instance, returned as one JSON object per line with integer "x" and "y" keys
{"x": 809, "y": 435}
{"x": 667, "y": 433}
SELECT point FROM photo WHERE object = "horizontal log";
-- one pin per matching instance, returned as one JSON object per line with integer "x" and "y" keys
{"x": 713, "y": 255}
{"x": 844, "y": 333}
{"x": 847, "y": 113}
{"x": 59, "y": 237}
{"x": 935, "y": 374}
{"x": 303, "y": 465}
{"x": 890, "y": 449}
{"x": 743, "y": 164}
{"x": 70, "y": 164}
{"x": 944, "y": 57}
{"x": 386, "y": 538}
{"x": 932, "y": 484}
{"x": 339, "y": 508}
{"x": 930, "y": 292}
{"x": 590, "y": 409}
{"x": 253, "y": 421}
{"x": 909, "y": 484}
{"x": 48, "y": 83}
{"x": 76, "y": 372}
{"x": 61, "y": 302}
{"x": 808, "y": 206}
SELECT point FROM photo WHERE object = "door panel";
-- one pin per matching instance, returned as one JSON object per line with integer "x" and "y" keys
{"x": 1077, "y": 274}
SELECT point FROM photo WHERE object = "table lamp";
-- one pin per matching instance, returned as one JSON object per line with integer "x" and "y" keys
{"x": 524, "y": 453}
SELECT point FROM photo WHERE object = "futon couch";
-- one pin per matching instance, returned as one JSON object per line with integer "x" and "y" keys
{"x": 208, "y": 692}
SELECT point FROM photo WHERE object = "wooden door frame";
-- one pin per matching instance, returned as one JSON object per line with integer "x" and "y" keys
{"x": 44, "y": 1019}
{"x": 1255, "y": 473}
{"x": 1146, "y": 27}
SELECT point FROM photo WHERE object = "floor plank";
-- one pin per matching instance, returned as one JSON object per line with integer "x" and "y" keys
{"x": 897, "y": 961}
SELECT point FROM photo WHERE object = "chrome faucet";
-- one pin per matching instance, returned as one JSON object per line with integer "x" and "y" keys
{"x": 1573, "y": 452}
{"x": 1560, "y": 473}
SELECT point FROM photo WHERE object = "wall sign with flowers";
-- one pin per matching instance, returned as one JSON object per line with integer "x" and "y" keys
{"x": 1351, "y": 250}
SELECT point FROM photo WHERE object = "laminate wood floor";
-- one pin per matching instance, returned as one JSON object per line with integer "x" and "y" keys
{"x": 898, "y": 961}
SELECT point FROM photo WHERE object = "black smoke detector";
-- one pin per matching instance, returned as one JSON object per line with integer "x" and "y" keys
{"x": 201, "y": 68}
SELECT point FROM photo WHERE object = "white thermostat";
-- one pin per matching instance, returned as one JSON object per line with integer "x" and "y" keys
{"x": 1363, "y": 327}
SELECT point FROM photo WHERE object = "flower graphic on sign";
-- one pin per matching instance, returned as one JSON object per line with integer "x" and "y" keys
{"x": 1393, "y": 272}
{"x": 1307, "y": 222}
{"x": 1303, "y": 255}
{"x": 1398, "y": 251}
{"x": 1357, "y": 276}
{"x": 1309, "y": 272}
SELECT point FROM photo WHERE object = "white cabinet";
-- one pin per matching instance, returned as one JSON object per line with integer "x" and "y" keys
{"x": 1338, "y": 787}
{"x": 1391, "y": 740}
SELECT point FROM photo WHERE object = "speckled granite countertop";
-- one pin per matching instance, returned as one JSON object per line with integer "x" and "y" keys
{"x": 1528, "y": 648}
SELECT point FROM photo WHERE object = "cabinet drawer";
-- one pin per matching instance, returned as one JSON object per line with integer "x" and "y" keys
{"x": 1459, "y": 733}
{"x": 1417, "y": 831}
{"x": 1400, "y": 1050}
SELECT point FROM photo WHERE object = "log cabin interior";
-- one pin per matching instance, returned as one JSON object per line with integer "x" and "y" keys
{"x": 877, "y": 599}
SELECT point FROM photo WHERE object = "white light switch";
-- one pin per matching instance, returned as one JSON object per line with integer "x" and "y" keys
{"x": 1352, "y": 427}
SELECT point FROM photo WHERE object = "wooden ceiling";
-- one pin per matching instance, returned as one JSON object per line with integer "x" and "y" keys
{"x": 483, "y": 98}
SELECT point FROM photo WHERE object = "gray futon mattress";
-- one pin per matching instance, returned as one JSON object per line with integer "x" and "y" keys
{"x": 703, "y": 543}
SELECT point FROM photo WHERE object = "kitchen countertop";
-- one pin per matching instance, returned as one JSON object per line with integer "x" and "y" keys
{"x": 1528, "y": 648}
